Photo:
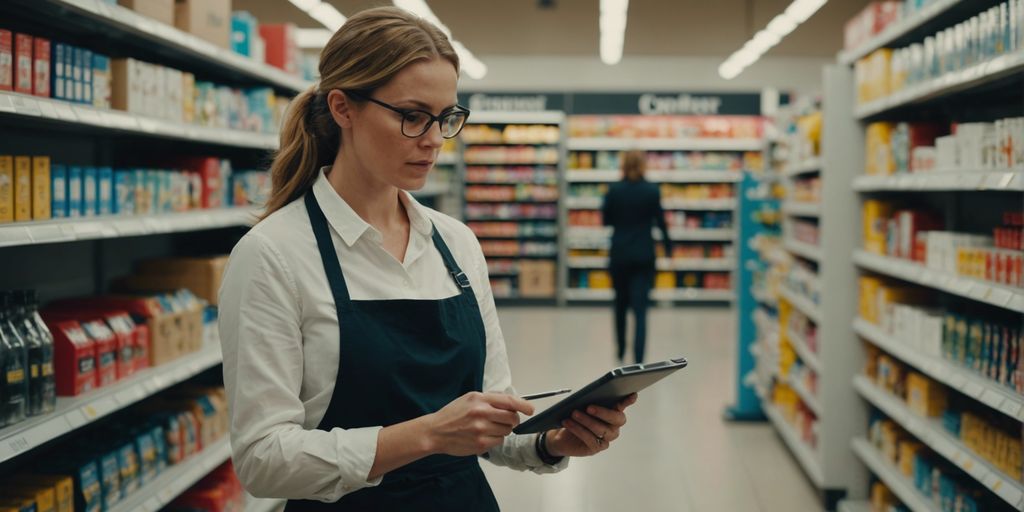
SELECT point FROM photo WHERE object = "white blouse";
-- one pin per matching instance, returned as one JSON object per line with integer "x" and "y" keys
{"x": 280, "y": 337}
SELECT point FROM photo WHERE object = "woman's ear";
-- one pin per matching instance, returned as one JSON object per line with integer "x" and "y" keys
{"x": 341, "y": 108}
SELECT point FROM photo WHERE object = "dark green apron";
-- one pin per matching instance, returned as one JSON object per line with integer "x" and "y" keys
{"x": 401, "y": 359}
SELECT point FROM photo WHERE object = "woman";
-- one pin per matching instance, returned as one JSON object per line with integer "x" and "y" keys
{"x": 363, "y": 359}
{"x": 632, "y": 208}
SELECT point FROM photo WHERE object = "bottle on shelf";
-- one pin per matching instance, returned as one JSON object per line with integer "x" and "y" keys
{"x": 42, "y": 383}
{"x": 14, "y": 365}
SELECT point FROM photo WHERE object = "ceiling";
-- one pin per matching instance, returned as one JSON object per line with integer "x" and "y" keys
{"x": 707, "y": 28}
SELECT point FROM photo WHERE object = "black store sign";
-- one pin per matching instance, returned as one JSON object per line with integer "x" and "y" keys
{"x": 641, "y": 103}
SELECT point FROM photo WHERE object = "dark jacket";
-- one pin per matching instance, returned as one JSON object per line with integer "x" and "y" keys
{"x": 632, "y": 209}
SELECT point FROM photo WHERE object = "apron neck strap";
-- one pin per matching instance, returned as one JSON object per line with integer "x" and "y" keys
{"x": 328, "y": 255}
{"x": 461, "y": 280}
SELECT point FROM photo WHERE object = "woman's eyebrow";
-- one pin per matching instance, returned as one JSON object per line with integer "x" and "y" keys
{"x": 421, "y": 105}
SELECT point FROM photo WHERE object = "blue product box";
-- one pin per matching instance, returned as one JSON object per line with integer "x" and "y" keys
{"x": 128, "y": 461}
{"x": 88, "y": 491}
{"x": 105, "y": 191}
{"x": 76, "y": 73}
{"x": 142, "y": 206}
{"x": 153, "y": 190}
{"x": 87, "y": 77}
{"x": 69, "y": 72}
{"x": 124, "y": 192}
{"x": 110, "y": 479}
{"x": 160, "y": 447}
{"x": 74, "y": 191}
{"x": 57, "y": 74}
{"x": 146, "y": 452}
{"x": 59, "y": 191}
{"x": 243, "y": 28}
{"x": 88, "y": 191}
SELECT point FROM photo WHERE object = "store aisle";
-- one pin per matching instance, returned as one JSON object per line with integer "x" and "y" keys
{"x": 676, "y": 454}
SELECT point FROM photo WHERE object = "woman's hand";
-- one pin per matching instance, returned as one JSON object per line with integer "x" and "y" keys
{"x": 474, "y": 423}
{"x": 589, "y": 432}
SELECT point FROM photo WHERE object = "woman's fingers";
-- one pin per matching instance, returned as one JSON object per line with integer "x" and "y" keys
{"x": 628, "y": 401}
{"x": 610, "y": 416}
{"x": 584, "y": 435}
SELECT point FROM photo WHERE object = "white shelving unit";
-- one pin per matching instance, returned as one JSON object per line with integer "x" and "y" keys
{"x": 801, "y": 209}
{"x": 73, "y": 413}
{"x": 661, "y": 176}
{"x": 806, "y": 395}
{"x": 803, "y": 304}
{"x": 263, "y": 504}
{"x": 809, "y": 166}
{"x": 804, "y": 454}
{"x": 893, "y": 479}
{"x": 677, "y": 295}
{"x": 94, "y": 228}
{"x": 897, "y": 30}
{"x": 609, "y": 143}
{"x": 1008, "y": 180}
{"x": 931, "y": 432}
{"x": 804, "y": 351}
{"x": 802, "y": 249}
{"x": 663, "y": 264}
{"x": 176, "y": 479}
{"x": 589, "y": 234}
{"x": 84, "y": 117}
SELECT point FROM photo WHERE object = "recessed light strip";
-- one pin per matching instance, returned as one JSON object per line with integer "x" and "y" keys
{"x": 613, "y": 30}
{"x": 473, "y": 66}
{"x": 798, "y": 12}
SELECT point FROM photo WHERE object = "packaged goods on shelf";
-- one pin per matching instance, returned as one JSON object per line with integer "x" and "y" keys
{"x": 249, "y": 188}
{"x": 159, "y": 10}
{"x": 538, "y": 175}
{"x": 6, "y": 60}
{"x": 23, "y": 63}
{"x": 796, "y": 413}
{"x": 698, "y": 220}
{"x": 202, "y": 276}
{"x": 501, "y": 266}
{"x": 666, "y": 127}
{"x": 803, "y": 231}
{"x": 282, "y": 50}
{"x": 536, "y": 279}
{"x": 989, "y": 34}
{"x": 521, "y": 192}
{"x": 806, "y": 190}
{"x": 870, "y": 21}
{"x": 29, "y": 354}
{"x": 502, "y": 288}
{"x": 220, "y": 491}
{"x": 511, "y": 155}
{"x": 895, "y": 148}
{"x": 803, "y": 281}
{"x": 697, "y": 191}
{"x": 514, "y": 229}
{"x": 667, "y": 160}
{"x": 511, "y": 134}
{"x": 517, "y": 248}
{"x": 207, "y": 19}
{"x": 484, "y": 211}
{"x": 244, "y": 31}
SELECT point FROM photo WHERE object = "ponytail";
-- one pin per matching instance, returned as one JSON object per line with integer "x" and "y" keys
{"x": 310, "y": 139}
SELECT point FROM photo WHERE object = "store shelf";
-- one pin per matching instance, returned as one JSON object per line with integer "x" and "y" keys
{"x": 801, "y": 209}
{"x": 893, "y": 479}
{"x": 810, "y": 166}
{"x": 504, "y": 117}
{"x": 69, "y": 230}
{"x": 664, "y": 264}
{"x": 433, "y": 189}
{"x": 978, "y": 74}
{"x": 1003, "y": 180}
{"x": 86, "y": 118}
{"x": 654, "y": 176}
{"x": 447, "y": 158}
{"x": 74, "y": 412}
{"x": 511, "y": 163}
{"x": 804, "y": 454}
{"x": 897, "y": 30}
{"x": 253, "y": 504}
{"x": 803, "y": 249}
{"x": 806, "y": 396}
{"x": 507, "y": 143}
{"x": 680, "y": 295}
{"x": 121, "y": 23}
{"x": 511, "y": 201}
{"x": 802, "y": 303}
{"x": 594, "y": 203}
{"x": 803, "y": 350}
{"x": 992, "y": 394}
{"x": 176, "y": 479}
{"x": 677, "y": 234}
{"x": 931, "y": 433}
{"x": 613, "y": 143}
{"x": 486, "y": 218}
{"x": 982, "y": 291}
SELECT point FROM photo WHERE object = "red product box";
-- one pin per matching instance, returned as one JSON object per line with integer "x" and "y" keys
{"x": 211, "y": 180}
{"x": 870, "y": 21}
{"x": 74, "y": 357}
{"x": 922, "y": 134}
{"x": 41, "y": 74}
{"x": 142, "y": 346}
{"x": 124, "y": 328}
{"x": 6, "y": 60}
{"x": 106, "y": 351}
{"x": 23, "y": 63}
{"x": 910, "y": 225}
{"x": 281, "y": 50}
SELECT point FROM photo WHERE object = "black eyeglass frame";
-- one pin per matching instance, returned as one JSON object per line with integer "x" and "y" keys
{"x": 440, "y": 118}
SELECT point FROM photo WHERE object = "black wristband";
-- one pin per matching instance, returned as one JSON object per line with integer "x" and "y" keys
{"x": 542, "y": 450}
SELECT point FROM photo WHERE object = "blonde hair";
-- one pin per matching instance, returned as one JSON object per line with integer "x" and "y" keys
{"x": 364, "y": 54}
{"x": 634, "y": 164}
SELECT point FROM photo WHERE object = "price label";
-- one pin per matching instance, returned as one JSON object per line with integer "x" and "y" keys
{"x": 1010, "y": 408}
{"x": 14, "y": 446}
{"x": 991, "y": 398}
{"x": 90, "y": 412}
{"x": 25, "y": 106}
{"x": 6, "y": 105}
{"x": 48, "y": 110}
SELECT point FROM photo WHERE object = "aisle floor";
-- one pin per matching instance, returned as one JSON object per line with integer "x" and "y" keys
{"x": 676, "y": 453}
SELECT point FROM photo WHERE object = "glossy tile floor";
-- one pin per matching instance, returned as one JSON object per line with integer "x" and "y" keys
{"x": 676, "y": 454}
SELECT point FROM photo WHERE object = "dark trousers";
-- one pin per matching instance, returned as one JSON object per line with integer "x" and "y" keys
{"x": 632, "y": 283}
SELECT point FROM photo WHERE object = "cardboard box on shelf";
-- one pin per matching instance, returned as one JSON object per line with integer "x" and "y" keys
{"x": 200, "y": 275}
{"x": 6, "y": 188}
{"x": 22, "y": 188}
{"x": 74, "y": 357}
{"x": 6, "y": 60}
{"x": 41, "y": 199}
{"x": 537, "y": 279}
{"x": 41, "y": 68}
{"x": 159, "y": 10}
{"x": 282, "y": 52}
{"x": 206, "y": 19}
{"x": 23, "y": 63}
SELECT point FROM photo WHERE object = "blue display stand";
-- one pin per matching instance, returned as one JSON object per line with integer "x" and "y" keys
{"x": 755, "y": 198}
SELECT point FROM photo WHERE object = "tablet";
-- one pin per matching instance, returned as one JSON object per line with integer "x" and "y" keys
{"x": 608, "y": 390}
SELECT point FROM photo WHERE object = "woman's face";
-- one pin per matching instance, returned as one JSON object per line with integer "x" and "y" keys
{"x": 377, "y": 140}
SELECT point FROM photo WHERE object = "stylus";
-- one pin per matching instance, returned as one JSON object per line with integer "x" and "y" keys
{"x": 546, "y": 394}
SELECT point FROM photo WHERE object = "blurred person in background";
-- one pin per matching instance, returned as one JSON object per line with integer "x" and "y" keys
{"x": 632, "y": 208}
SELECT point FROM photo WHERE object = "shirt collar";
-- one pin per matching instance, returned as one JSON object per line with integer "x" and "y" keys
{"x": 349, "y": 225}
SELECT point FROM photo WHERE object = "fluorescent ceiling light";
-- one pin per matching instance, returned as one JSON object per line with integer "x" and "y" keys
{"x": 312, "y": 38}
{"x": 305, "y": 5}
{"x": 327, "y": 15}
{"x": 612, "y": 22}
{"x": 474, "y": 67}
{"x": 782, "y": 25}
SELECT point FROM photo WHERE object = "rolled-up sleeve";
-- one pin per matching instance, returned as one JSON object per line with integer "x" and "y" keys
{"x": 518, "y": 451}
{"x": 260, "y": 330}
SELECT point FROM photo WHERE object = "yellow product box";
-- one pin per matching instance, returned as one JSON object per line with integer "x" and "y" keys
{"x": 878, "y": 73}
{"x": 188, "y": 98}
{"x": 878, "y": 158}
{"x": 881, "y": 497}
{"x": 908, "y": 450}
{"x": 63, "y": 487}
{"x": 6, "y": 188}
{"x": 41, "y": 202}
{"x": 869, "y": 286}
{"x": 16, "y": 504}
{"x": 665, "y": 281}
{"x": 891, "y": 437}
{"x": 876, "y": 215}
{"x": 600, "y": 279}
{"x": 860, "y": 78}
{"x": 45, "y": 498}
{"x": 22, "y": 188}
{"x": 925, "y": 396}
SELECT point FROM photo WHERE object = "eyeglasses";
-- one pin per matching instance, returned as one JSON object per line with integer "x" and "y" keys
{"x": 416, "y": 122}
